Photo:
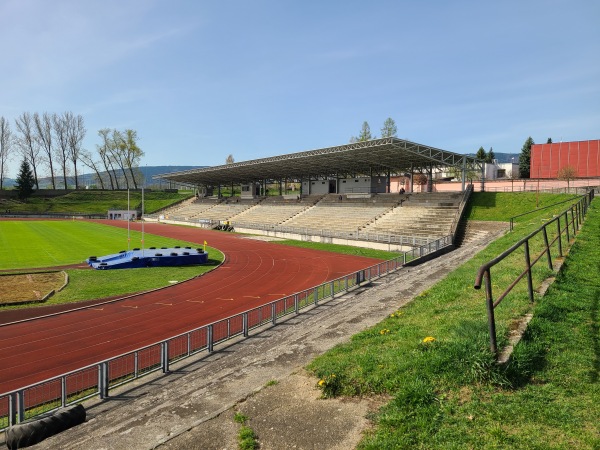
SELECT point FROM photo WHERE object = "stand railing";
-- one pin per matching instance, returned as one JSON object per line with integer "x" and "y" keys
{"x": 567, "y": 223}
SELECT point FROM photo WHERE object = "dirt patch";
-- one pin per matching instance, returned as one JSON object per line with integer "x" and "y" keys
{"x": 29, "y": 287}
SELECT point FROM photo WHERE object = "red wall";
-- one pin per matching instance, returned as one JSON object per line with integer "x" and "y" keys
{"x": 547, "y": 159}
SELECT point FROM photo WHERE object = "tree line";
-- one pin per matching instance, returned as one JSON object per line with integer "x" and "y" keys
{"x": 52, "y": 146}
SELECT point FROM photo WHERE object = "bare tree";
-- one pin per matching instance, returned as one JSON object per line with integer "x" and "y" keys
{"x": 117, "y": 154}
{"x": 87, "y": 160}
{"x": 229, "y": 159}
{"x": 6, "y": 147}
{"x": 43, "y": 135}
{"x": 567, "y": 173}
{"x": 61, "y": 145}
{"x": 75, "y": 135}
{"x": 28, "y": 144}
{"x": 129, "y": 151}
{"x": 105, "y": 156}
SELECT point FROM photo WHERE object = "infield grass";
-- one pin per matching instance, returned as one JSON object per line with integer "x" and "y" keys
{"x": 29, "y": 244}
{"x": 26, "y": 244}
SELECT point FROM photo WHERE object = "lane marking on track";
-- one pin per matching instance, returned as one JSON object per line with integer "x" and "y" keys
{"x": 251, "y": 296}
{"x": 98, "y": 309}
{"x": 166, "y": 304}
{"x": 195, "y": 301}
{"x": 127, "y": 306}
{"x": 280, "y": 295}
{"x": 229, "y": 299}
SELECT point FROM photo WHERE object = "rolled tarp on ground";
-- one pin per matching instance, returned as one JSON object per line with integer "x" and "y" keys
{"x": 34, "y": 432}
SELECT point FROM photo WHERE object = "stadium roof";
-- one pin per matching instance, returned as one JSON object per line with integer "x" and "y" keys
{"x": 378, "y": 156}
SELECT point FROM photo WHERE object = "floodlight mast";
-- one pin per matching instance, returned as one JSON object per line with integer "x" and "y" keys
{"x": 142, "y": 221}
{"x": 128, "y": 220}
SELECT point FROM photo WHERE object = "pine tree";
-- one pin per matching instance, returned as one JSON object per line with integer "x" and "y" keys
{"x": 25, "y": 181}
{"x": 365, "y": 132}
{"x": 525, "y": 158}
{"x": 490, "y": 156}
{"x": 389, "y": 128}
{"x": 481, "y": 154}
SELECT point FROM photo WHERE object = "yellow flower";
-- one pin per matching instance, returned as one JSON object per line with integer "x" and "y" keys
{"x": 428, "y": 339}
{"x": 321, "y": 383}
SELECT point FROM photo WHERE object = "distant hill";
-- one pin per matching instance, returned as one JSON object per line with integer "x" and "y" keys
{"x": 90, "y": 178}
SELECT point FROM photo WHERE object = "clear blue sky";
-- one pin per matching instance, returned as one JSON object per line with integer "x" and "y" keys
{"x": 199, "y": 80}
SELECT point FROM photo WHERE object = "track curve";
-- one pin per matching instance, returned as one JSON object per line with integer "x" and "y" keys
{"x": 254, "y": 273}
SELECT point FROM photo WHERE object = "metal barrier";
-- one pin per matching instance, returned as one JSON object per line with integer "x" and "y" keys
{"x": 572, "y": 219}
{"x": 512, "y": 219}
{"x": 99, "y": 378}
{"x": 384, "y": 238}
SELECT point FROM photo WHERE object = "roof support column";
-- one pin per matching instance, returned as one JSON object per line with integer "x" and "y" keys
{"x": 412, "y": 177}
{"x": 430, "y": 178}
{"x": 388, "y": 182}
{"x": 280, "y": 187}
{"x": 483, "y": 177}
{"x": 464, "y": 172}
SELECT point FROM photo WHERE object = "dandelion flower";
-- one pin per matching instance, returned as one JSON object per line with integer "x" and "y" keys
{"x": 428, "y": 339}
{"x": 321, "y": 383}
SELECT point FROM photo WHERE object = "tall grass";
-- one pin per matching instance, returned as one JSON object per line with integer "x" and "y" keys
{"x": 432, "y": 357}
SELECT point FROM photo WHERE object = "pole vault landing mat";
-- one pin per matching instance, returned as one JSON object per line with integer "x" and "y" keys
{"x": 149, "y": 257}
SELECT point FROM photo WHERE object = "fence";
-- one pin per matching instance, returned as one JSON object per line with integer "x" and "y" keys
{"x": 571, "y": 220}
{"x": 383, "y": 238}
{"x": 99, "y": 378}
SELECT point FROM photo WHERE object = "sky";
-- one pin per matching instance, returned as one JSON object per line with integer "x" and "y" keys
{"x": 199, "y": 80}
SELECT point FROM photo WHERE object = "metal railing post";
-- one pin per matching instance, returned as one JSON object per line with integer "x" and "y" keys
{"x": 103, "y": 380}
{"x": 16, "y": 408}
{"x": 164, "y": 356}
{"x": 135, "y": 365}
{"x": 245, "y": 324}
{"x": 316, "y": 295}
{"x": 332, "y": 289}
{"x": 63, "y": 391}
{"x": 567, "y": 226}
{"x": 209, "y": 338}
{"x": 489, "y": 302}
{"x": 273, "y": 314}
{"x": 560, "y": 252}
{"x": 547, "y": 248}
{"x": 296, "y": 304}
{"x": 528, "y": 268}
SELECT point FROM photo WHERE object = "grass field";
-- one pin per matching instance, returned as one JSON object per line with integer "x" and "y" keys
{"x": 28, "y": 244}
{"x": 432, "y": 358}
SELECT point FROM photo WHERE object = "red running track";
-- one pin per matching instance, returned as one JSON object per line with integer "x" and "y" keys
{"x": 254, "y": 273}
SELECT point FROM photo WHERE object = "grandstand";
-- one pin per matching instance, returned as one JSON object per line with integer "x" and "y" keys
{"x": 363, "y": 192}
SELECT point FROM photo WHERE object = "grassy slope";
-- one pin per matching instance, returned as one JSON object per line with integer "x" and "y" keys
{"x": 96, "y": 202}
{"x": 501, "y": 206}
{"x": 450, "y": 394}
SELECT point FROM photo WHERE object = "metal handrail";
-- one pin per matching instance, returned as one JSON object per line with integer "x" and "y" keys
{"x": 99, "y": 378}
{"x": 577, "y": 212}
{"x": 512, "y": 219}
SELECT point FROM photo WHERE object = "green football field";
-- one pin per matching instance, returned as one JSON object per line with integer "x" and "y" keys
{"x": 27, "y": 244}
